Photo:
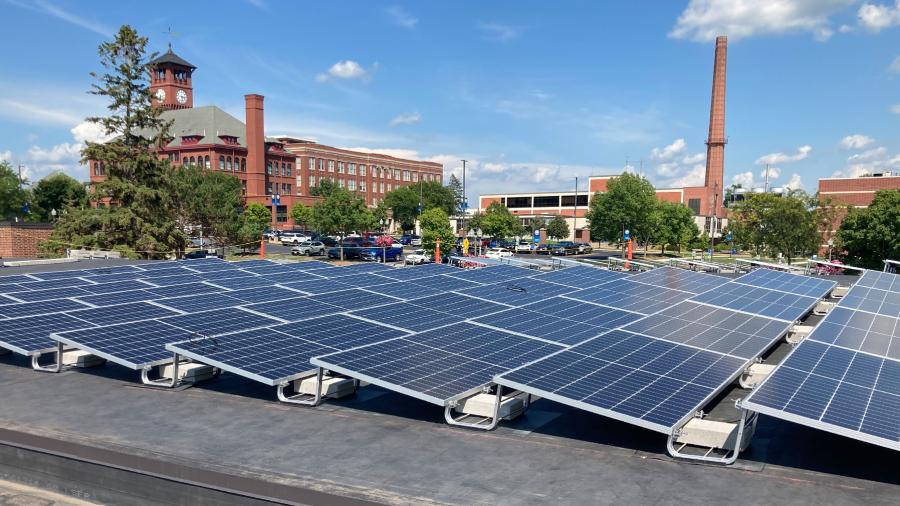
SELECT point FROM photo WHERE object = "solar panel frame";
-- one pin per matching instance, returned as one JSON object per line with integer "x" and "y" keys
{"x": 316, "y": 287}
{"x": 628, "y": 295}
{"x": 221, "y": 321}
{"x": 30, "y": 335}
{"x": 517, "y": 292}
{"x": 579, "y": 277}
{"x": 540, "y": 326}
{"x": 786, "y": 282}
{"x": 298, "y": 309}
{"x": 882, "y": 280}
{"x": 872, "y": 300}
{"x": 680, "y": 279}
{"x": 18, "y": 310}
{"x": 407, "y": 316}
{"x": 205, "y": 302}
{"x": 759, "y": 301}
{"x": 104, "y": 342}
{"x": 592, "y": 314}
{"x": 124, "y": 313}
{"x": 46, "y": 294}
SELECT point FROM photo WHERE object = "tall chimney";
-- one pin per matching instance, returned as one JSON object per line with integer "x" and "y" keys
{"x": 256, "y": 147}
{"x": 715, "y": 143}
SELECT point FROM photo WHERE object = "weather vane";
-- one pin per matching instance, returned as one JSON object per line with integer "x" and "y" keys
{"x": 171, "y": 35}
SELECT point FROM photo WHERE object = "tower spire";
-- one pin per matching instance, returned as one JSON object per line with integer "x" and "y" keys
{"x": 715, "y": 142}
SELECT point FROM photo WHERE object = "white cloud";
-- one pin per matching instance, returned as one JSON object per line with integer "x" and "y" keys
{"x": 695, "y": 158}
{"x": 869, "y": 162}
{"x": 703, "y": 20}
{"x": 64, "y": 152}
{"x": 778, "y": 158}
{"x": 856, "y": 141}
{"x": 895, "y": 109}
{"x": 500, "y": 32}
{"x": 894, "y": 67}
{"x": 345, "y": 69}
{"x": 406, "y": 119}
{"x": 871, "y": 154}
{"x": 57, "y": 12}
{"x": 667, "y": 153}
{"x": 395, "y": 152}
{"x": 744, "y": 179}
{"x": 668, "y": 169}
{"x": 875, "y": 17}
{"x": 694, "y": 177}
{"x": 794, "y": 183}
{"x": 33, "y": 113}
{"x": 402, "y": 18}
{"x": 774, "y": 172}
{"x": 88, "y": 131}
{"x": 6, "y": 156}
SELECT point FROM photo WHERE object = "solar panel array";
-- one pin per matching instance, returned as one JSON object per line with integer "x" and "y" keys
{"x": 845, "y": 376}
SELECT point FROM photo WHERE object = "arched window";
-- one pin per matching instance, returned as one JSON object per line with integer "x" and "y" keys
{"x": 96, "y": 168}
{"x": 221, "y": 162}
{"x": 228, "y": 164}
{"x": 207, "y": 162}
{"x": 191, "y": 162}
{"x": 243, "y": 165}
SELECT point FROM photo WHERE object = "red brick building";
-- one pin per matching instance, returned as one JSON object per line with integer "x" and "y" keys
{"x": 211, "y": 138}
{"x": 22, "y": 240}
{"x": 855, "y": 191}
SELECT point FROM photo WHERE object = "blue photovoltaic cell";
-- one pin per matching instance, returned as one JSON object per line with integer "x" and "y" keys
{"x": 114, "y": 271}
{"x": 860, "y": 331}
{"x": 631, "y": 296}
{"x": 408, "y": 316}
{"x": 110, "y": 315}
{"x": 317, "y": 286}
{"x": 226, "y": 274}
{"x": 363, "y": 280}
{"x": 110, "y": 299}
{"x": 48, "y": 294}
{"x": 291, "y": 275}
{"x": 438, "y": 365}
{"x": 266, "y": 294}
{"x": 173, "y": 280}
{"x": 591, "y": 314}
{"x": 12, "y": 287}
{"x": 873, "y": 300}
{"x": 54, "y": 283}
{"x": 409, "y": 273}
{"x": 165, "y": 273}
{"x": 212, "y": 266}
{"x": 197, "y": 303}
{"x": 55, "y": 275}
{"x": 246, "y": 281}
{"x": 786, "y": 282}
{"x": 16, "y": 278}
{"x": 295, "y": 309}
{"x": 312, "y": 265}
{"x": 488, "y": 275}
{"x": 135, "y": 345}
{"x": 580, "y": 277}
{"x": 402, "y": 291}
{"x": 219, "y": 321}
{"x": 542, "y": 326}
{"x": 443, "y": 282}
{"x": 760, "y": 301}
{"x": 354, "y": 299}
{"x": 338, "y": 331}
{"x": 354, "y": 269}
{"x": 114, "y": 286}
{"x": 31, "y": 334}
{"x": 715, "y": 329}
{"x": 882, "y": 280}
{"x": 644, "y": 381}
{"x": 160, "y": 266}
{"x": 185, "y": 289}
{"x": 459, "y": 305}
{"x": 116, "y": 277}
{"x": 274, "y": 269}
{"x": 680, "y": 279}
{"x": 37, "y": 308}
{"x": 517, "y": 292}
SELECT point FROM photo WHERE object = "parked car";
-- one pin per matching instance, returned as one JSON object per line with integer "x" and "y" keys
{"x": 583, "y": 247}
{"x": 327, "y": 241}
{"x": 272, "y": 235}
{"x": 415, "y": 240}
{"x": 289, "y": 238}
{"x": 510, "y": 245}
{"x": 351, "y": 251}
{"x": 381, "y": 254}
{"x": 418, "y": 256}
{"x": 498, "y": 253}
{"x": 309, "y": 248}
{"x": 563, "y": 248}
{"x": 523, "y": 247}
{"x": 542, "y": 249}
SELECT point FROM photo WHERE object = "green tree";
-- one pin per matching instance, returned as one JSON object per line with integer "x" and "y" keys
{"x": 303, "y": 215}
{"x": 436, "y": 225}
{"x": 677, "y": 227}
{"x": 748, "y": 221}
{"x": 456, "y": 189}
{"x": 629, "y": 203}
{"x": 380, "y": 214}
{"x": 139, "y": 185}
{"x": 404, "y": 201}
{"x": 341, "y": 213}
{"x": 474, "y": 222}
{"x": 558, "y": 228}
{"x": 828, "y": 212}
{"x": 497, "y": 222}
{"x": 12, "y": 196}
{"x": 789, "y": 227}
{"x": 57, "y": 191}
{"x": 211, "y": 200}
{"x": 325, "y": 188}
{"x": 870, "y": 235}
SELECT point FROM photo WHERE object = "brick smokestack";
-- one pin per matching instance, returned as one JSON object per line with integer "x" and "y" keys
{"x": 256, "y": 139}
{"x": 715, "y": 143}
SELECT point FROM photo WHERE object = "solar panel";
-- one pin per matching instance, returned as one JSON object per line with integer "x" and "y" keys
{"x": 630, "y": 296}
{"x": 291, "y": 275}
{"x": 316, "y": 286}
{"x": 408, "y": 316}
{"x": 56, "y": 275}
{"x": 54, "y": 283}
{"x": 133, "y": 311}
{"x": 172, "y": 280}
{"x": 160, "y": 266}
{"x": 37, "y": 308}
{"x": 248, "y": 281}
{"x": 440, "y": 365}
{"x": 759, "y": 301}
{"x": 460, "y": 305}
{"x": 16, "y": 278}
{"x": 580, "y": 277}
{"x": 174, "y": 270}
{"x": 116, "y": 276}
{"x": 680, "y": 279}
{"x": 185, "y": 289}
{"x": 354, "y": 269}
{"x": 543, "y": 326}
{"x": 48, "y": 294}
{"x": 882, "y": 280}
{"x": 311, "y": 265}
{"x": 220, "y": 321}
{"x": 402, "y": 291}
{"x": 272, "y": 356}
{"x": 266, "y": 294}
{"x": 295, "y": 309}
{"x": 114, "y": 286}
{"x": 517, "y": 292}
{"x": 226, "y": 274}
{"x": 715, "y": 329}
{"x": 443, "y": 282}
{"x": 591, "y": 314}
{"x": 197, "y": 303}
{"x": 786, "y": 282}
{"x": 135, "y": 345}
{"x": 486, "y": 275}
{"x": 29, "y": 335}
{"x": 860, "y": 331}
{"x": 110, "y": 299}
{"x": 873, "y": 300}
{"x": 409, "y": 273}
{"x": 354, "y": 299}
{"x": 637, "y": 379}
{"x": 262, "y": 270}
{"x": 115, "y": 271}
{"x": 12, "y": 287}
{"x": 212, "y": 266}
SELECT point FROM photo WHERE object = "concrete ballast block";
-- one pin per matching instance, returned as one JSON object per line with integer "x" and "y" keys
{"x": 81, "y": 358}
{"x": 189, "y": 372}
{"x": 331, "y": 386}
{"x": 483, "y": 405}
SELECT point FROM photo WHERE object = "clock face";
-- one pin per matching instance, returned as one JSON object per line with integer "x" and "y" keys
{"x": 181, "y": 96}
{"x": 160, "y": 95}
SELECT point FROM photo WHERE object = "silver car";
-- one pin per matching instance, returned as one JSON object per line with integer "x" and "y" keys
{"x": 309, "y": 248}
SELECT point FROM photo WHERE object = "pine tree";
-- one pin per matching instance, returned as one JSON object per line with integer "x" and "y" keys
{"x": 139, "y": 188}
{"x": 456, "y": 188}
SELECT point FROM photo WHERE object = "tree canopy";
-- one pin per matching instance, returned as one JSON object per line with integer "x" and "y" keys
{"x": 436, "y": 225}
{"x": 12, "y": 196}
{"x": 773, "y": 225}
{"x": 497, "y": 222}
{"x": 558, "y": 228}
{"x": 628, "y": 203}
{"x": 456, "y": 188}
{"x": 404, "y": 201}
{"x": 870, "y": 235}
{"x": 211, "y": 200}
{"x": 676, "y": 227}
{"x": 58, "y": 192}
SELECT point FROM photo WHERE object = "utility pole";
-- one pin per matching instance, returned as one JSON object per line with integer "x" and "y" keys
{"x": 575, "y": 212}
{"x": 465, "y": 201}
{"x": 766, "y": 184}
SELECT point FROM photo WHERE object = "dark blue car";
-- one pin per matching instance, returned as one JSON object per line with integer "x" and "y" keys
{"x": 388, "y": 254}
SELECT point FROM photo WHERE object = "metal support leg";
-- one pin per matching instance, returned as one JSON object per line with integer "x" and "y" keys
{"x": 55, "y": 367}
{"x": 162, "y": 382}
{"x": 495, "y": 419}
{"x": 302, "y": 399}
{"x": 727, "y": 459}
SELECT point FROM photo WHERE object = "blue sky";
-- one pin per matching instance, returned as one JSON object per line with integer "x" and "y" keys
{"x": 532, "y": 93}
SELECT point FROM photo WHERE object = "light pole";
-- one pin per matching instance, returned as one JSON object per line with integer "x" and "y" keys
{"x": 465, "y": 201}
{"x": 575, "y": 212}
{"x": 53, "y": 214}
{"x": 830, "y": 244}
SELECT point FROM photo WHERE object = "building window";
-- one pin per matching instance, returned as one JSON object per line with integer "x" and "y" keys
{"x": 547, "y": 201}
{"x": 518, "y": 202}
{"x": 228, "y": 163}
{"x": 340, "y": 183}
{"x": 243, "y": 165}
{"x": 351, "y": 185}
{"x": 321, "y": 164}
{"x": 281, "y": 214}
{"x": 268, "y": 188}
{"x": 694, "y": 205}
{"x": 382, "y": 187}
{"x": 206, "y": 163}
{"x": 390, "y": 187}
{"x": 406, "y": 175}
{"x": 569, "y": 200}
{"x": 160, "y": 75}
{"x": 312, "y": 182}
{"x": 351, "y": 168}
{"x": 283, "y": 169}
{"x": 243, "y": 188}
{"x": 362, "y": 170}
{"x": 290, "y": 169}
{"x": 330, "y": 165}
{"x": 396, "y": 174}
{"x": 312, "y": 163}
{"x": 362, "y": 186}
{"x": 221, "y": 162}
{"x": 340, "y": 167}
{"x": 415, "y": 177}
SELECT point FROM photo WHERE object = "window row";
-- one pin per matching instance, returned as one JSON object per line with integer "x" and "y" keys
{"x": 272, "y": 168}
{"x": 286, "y": 188}
{"x": 377, "y": 172}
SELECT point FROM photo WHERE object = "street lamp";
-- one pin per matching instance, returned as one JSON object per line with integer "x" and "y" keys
{"x": 53, "y": 214}
{"x": 830, "y": 244}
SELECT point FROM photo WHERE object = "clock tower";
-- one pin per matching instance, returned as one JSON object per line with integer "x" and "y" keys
{"x": 170, "y": 81}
